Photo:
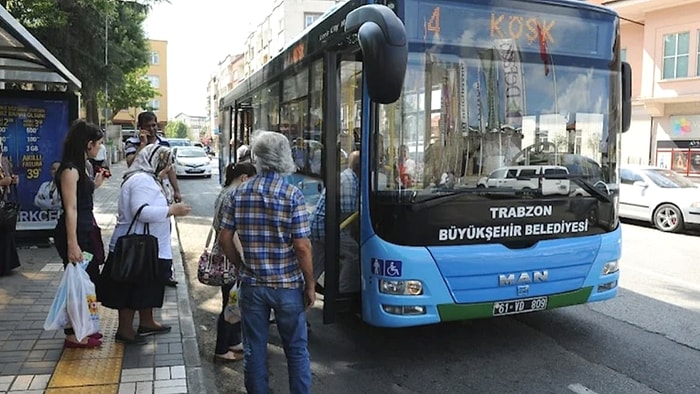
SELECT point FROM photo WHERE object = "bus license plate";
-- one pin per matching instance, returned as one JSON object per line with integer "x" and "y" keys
{"x": 519, "y": 306}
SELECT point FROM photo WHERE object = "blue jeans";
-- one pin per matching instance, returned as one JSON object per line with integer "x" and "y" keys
{"x": 288, "y": 304}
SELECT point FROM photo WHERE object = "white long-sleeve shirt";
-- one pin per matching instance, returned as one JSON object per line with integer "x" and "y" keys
{"x": 139, "y": 189}
{"x": 48, "y": 197}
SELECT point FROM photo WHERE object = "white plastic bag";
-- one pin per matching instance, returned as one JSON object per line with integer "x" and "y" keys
{"x": 57, "y": 318}
{"x": 81, "y": 301}
{"x": 232, "y": 313}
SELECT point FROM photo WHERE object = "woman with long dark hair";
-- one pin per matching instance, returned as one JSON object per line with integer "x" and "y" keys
{"x": 77, "y": 230}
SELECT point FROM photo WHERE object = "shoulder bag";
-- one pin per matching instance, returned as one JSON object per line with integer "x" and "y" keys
{"x": 9, "y": 207}
{"x": 215, "y": 269}
{"x": 135, "y": 256}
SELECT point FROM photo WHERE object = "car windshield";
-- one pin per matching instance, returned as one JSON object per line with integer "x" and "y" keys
{"x": 191, "y": 153}
{"x": 174, "y": 142}
{"x": 668, "y": 179}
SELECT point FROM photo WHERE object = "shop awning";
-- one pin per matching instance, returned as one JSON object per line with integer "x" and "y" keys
{"x": 23, "y": 59}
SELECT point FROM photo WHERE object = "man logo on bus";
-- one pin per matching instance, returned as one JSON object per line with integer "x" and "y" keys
{"x": 523, "y": 278}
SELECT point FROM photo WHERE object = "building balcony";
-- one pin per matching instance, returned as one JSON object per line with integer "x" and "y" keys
{"x": 664, "y": 106}
{"x": 637, "y": 9}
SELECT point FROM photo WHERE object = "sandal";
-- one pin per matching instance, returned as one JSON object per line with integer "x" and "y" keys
{"x": 236, "y": 348}
{"x": 228, "y": 357}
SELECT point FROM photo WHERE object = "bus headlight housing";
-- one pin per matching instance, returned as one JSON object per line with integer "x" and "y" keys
{"x": 611, "y": 267}
{"x": 401, "y": 287}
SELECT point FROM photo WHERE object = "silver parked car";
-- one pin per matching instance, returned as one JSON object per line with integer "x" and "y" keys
{"x": 660, "y": 196}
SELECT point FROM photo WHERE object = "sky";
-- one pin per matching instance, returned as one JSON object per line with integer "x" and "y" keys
{"x": 200, "y": 33}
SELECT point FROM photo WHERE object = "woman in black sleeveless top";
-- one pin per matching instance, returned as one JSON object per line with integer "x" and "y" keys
{"x": 77, "y": 231}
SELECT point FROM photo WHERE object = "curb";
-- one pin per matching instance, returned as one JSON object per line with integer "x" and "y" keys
{"x": 190, "y": 348}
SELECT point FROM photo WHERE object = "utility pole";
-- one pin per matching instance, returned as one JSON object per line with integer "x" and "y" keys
{"x": 106, "y": 66}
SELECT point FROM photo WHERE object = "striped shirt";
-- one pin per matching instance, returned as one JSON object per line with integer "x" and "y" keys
{"x": 132, "y": 143}
{"x": 268, "y": 214}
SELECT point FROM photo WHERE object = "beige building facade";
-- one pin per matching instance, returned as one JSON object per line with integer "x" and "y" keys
{"x": 661, "y": 41}
{"x": 158, "y": 76}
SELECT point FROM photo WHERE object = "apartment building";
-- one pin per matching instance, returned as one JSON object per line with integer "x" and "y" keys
{"x": 279, "y": 27}
{"x": 661, "y": 41}
{"x": 158, "y": 76}
{"x": 195, "y": 124}
{"x": 228, "y": 75}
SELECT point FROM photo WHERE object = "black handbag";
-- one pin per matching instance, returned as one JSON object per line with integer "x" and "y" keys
{"x": 9, "y": 209}
{"x": 135, "y": 256}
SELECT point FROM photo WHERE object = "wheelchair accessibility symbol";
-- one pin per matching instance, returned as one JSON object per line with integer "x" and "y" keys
{"x": 390, "y": 268}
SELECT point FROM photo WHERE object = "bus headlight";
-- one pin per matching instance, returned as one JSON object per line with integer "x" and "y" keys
{"x": 401, "y": 287}
{"x": 610, "y": 267}
{"x": 404, "y": 309}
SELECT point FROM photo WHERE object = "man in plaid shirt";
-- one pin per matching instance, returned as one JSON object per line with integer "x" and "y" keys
{"x": 276, "y": 273}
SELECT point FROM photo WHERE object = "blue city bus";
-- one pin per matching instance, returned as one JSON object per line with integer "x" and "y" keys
{"x": 489, "y": 139}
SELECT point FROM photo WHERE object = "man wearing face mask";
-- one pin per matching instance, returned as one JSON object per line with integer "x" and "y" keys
{"x": 48, "y": 197}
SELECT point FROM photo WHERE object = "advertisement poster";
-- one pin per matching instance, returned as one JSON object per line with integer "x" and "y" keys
{"x": 32, "y": 130}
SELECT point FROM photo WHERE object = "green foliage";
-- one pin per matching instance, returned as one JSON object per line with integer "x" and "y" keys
{"x": 74, "y": 31}
{"x": 177, "y": 129}
{"x": 135, "y": 92}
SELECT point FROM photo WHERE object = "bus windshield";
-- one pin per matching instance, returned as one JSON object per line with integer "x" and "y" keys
{"x": 491, "y": 107}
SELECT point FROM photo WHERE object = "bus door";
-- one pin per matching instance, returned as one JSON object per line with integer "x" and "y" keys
{"x": 343, "y": 121}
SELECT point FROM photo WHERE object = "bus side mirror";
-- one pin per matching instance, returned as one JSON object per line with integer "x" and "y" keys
{"x": 626, "y": 96}
{"x": 382, "y": 38}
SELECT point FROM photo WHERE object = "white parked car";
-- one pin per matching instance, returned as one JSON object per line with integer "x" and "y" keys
{"x": 528, "y": 178}
{"x": 660, "y": 196}
{"x": 192, "y": 161}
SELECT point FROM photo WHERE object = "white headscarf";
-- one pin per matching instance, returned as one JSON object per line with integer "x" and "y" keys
{"x": 151, "y": 160}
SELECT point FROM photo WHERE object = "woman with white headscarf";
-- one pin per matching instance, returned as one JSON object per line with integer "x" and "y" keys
{"x": 142, "y": 185}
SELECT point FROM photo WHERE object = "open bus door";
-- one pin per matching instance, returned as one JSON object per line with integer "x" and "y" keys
{"x": 341, "y": 280}
{"x": 379, "y": 66}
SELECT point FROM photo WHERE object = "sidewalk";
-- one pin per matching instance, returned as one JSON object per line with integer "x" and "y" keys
{"x": 33, "y": 360}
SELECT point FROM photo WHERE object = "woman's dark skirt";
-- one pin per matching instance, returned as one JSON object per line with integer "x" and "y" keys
{"x": 89, "y": 240}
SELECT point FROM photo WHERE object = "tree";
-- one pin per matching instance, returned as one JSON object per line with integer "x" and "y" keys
{"x": 136, "y": 92}
{"x": 177, "y": 129}
{"x": 78, "y": 32}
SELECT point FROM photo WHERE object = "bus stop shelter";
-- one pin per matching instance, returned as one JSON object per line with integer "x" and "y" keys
{"x": 23, "y": 59}
{"x": 39, "y": 98}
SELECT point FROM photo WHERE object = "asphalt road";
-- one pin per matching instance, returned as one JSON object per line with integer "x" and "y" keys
{"x": 646, "y": 340}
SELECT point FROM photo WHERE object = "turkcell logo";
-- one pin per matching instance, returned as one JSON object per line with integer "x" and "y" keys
{"x": 391, "y": 268}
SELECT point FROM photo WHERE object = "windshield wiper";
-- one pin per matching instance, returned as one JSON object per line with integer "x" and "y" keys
{"x": 446, "y": 195}
{"x": 592, "y": 189}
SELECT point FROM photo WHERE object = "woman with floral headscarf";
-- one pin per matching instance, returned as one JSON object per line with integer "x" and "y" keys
{"x": 142, "y": 185}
